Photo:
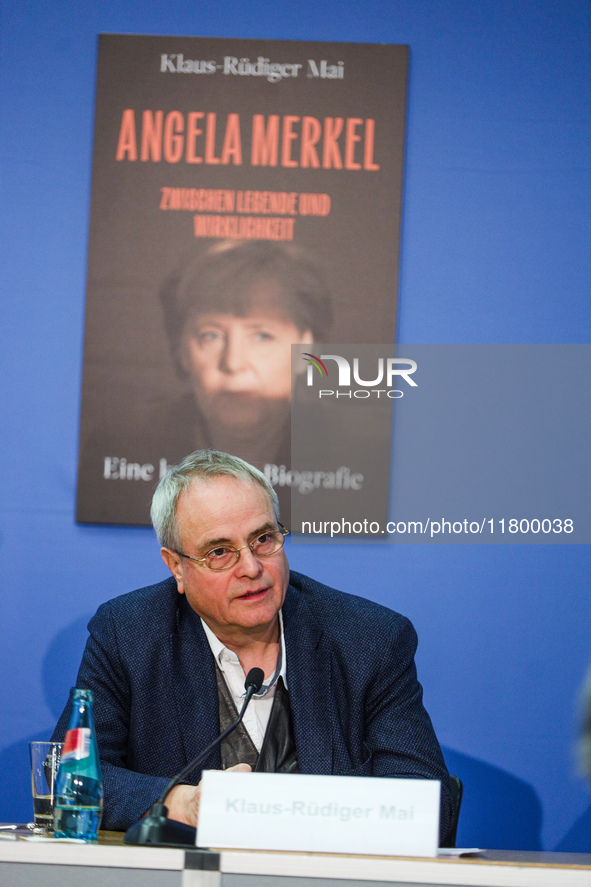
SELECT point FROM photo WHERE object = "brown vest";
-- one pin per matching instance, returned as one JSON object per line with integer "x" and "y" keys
{"x": 278, "y": 753}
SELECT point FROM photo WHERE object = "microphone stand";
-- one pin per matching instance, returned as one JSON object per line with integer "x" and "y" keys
{"x": 156, "y": 829}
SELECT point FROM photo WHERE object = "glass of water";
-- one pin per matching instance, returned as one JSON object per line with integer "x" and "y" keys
{"x": 45, "y": 759}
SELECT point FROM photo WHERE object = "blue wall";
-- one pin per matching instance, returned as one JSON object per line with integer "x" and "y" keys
{"x": 495, "y": 248}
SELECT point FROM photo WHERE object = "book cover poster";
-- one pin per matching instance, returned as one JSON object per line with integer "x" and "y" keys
{"x": 246, "y": 196}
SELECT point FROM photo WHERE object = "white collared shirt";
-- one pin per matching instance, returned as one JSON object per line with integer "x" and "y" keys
{"x": 258, "y": 712}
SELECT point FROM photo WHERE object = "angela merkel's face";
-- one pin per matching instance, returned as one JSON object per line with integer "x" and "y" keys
{"x": 240, "y": 367}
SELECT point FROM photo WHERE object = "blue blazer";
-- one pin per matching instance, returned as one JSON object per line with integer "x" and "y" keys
{"x": 355, "y": 699}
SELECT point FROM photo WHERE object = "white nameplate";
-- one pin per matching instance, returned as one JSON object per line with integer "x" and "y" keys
{"x": 323, "y": 814}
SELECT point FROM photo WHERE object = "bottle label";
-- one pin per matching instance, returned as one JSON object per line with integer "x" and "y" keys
{"x": 76, "y": 745}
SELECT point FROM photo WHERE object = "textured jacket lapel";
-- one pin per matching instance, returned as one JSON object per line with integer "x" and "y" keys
{"x": 309, "y": 684}
{"x": 195, "y": 691}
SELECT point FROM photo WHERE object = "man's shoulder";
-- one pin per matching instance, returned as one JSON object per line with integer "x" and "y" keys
{"x": 336, "y": 608}
{"x": 156, "y": 604}
{"x": 346, "y": 624}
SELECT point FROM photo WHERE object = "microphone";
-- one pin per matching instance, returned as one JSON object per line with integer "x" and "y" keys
{"x": 253, "y": 683}
{"x": 156, "y": 829}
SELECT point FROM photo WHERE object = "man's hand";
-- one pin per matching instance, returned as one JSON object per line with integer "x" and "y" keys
{"x": 183, "y": 800}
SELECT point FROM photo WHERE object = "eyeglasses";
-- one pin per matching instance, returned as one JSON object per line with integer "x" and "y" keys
{"x": 225, "y": 556}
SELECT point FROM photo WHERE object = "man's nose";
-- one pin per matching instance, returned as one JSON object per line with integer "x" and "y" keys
{"x": 248, "y": 563}
{"x": 234, "y": 354}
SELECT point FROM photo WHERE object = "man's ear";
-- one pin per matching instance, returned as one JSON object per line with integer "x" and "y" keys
{"x": 173, "y": 562}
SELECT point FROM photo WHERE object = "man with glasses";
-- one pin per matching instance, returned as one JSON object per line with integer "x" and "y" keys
{"x": 167, "y": 662}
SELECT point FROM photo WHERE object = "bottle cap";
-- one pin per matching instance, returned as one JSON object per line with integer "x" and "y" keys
{"x": 88, "y": 695}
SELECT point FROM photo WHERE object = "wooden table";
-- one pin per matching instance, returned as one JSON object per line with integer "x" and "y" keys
{"x": 110, "y": 862}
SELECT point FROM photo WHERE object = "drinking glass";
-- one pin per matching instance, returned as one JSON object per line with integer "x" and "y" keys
{"x": 45, "y": 759}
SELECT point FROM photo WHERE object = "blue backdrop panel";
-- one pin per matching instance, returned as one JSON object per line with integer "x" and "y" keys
{"x": 495, "y": 248}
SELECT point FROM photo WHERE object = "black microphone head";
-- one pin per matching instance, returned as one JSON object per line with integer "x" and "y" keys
{"x": 254, "y": 678}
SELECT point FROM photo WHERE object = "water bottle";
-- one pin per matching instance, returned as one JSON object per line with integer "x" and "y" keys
{"x": 79, "y": 784}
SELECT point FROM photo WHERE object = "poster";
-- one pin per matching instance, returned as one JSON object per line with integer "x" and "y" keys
{"x": 246, "y": 196}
